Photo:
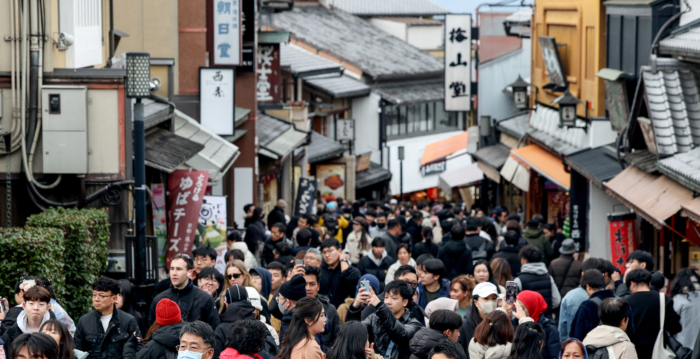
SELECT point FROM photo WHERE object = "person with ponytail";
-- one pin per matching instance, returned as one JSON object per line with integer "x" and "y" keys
{"x": 426, "y": 246}
{"x": 528, "y": 341}
{"x": 493, "y": 338}
{"x": 308, "y": 320}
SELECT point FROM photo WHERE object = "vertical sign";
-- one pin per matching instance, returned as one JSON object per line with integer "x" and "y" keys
{"x": 212, "y": 228}
{"x": 458, "y": 52}
{"x": 616, "y": 104}
{"x": 268, "y": 86}
{"x": 187, "y": 190}
{"x": 248, "y": 20}
{"x": 227, "y": 32}
{"x": 553, "y": 63}
{"x": 621, "y": 238}
{"x": 578, "y": 203}
{"x": 345, "y": 129}
{"x": 160, "y": 225}
{"x": 306, "y": 194}
{"x": 216, "y": 98}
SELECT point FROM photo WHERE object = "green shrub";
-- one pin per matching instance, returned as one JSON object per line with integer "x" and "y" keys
{"x": 31, "y": 251}
{"x": 85, "y": 238}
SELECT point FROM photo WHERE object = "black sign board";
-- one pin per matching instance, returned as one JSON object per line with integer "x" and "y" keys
{"x": 433, "y": 168}
{"x": 248, "y": 21}
{"x": 578, "y": 212}
{"x": 248, "y": 59}
{"x": 306, "y": 194}
{"x": 553, "y": 64}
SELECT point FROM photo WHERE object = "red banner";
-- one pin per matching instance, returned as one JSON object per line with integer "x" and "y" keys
{"x": 621, "y": 241}
{"x": 187, "y": 189}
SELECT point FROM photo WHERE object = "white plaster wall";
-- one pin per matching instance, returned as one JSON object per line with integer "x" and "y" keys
{"x": 394, "y": 28}
{"x": 365, "y": 111}
{"x": 495, "y": 75}
{"x": 601, "y": 134}
{"x": 426, "y": 37}
{"x": 598, "y": 229}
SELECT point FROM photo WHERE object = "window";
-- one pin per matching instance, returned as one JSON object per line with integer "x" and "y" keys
{"x": 419, "y": 118}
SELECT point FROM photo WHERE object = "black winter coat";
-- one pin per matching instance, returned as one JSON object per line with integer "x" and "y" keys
{"x": 423, "y": 248}
{"x": 424, "y": 340}
{"x": 332, "y": 324}
{"x": 10, "y": 318}
{"x": 587, "y": 318}
{"x": 456, "y": 257}
{"x": 512, "y": 256}
{"x": 90, "y": 337}
{"x": 163, "y": 341}
{"x": 475, "y": 243}
{"x": 466, "y": 332}
{"x": 385, "y": 328}
{"x": 240, "y": 311}
{"x": 194, "y": 303}
{"x": 552, "y": 345}
{"x": 276, "y": 216}
{"x": 338, "y": 285}
{"x": 414, "y": 229}
{"x": 367, "y": 265}
{"x": 415, "y": 311}
{"x": 14, "y": 331}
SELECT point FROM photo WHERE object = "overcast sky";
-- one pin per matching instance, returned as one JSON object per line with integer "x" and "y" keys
{"x": 469, "y": 6}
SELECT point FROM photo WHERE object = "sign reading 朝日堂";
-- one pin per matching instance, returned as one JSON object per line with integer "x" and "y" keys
{"x": 458, "y": 48}
{"x": 227, "y": 32}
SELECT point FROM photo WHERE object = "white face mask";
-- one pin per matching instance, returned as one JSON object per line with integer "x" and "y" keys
{"x": 188, "y": 354}
{"x": 282, "y": 308}
{"x": 488, "y": 307}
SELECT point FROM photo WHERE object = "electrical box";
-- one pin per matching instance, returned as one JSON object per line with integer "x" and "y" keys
{"x": 64, "y": 129}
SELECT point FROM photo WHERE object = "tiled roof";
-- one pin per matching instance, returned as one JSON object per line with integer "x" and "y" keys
{"x": 494, "y": 156}
{"x": 388, "y": 7}
{"x": 413, "y": 21}
{"x": 515, "y": 126}
{"x": 412, "y": 92}
{"x": 338, "y": 86}
{"x": 373, "y": 175}
{"x": 642, "y": 159}
{"x": 355, "y": 41}
{"x": 304, "y": 63}
{"x": 598, "y": 164}
{"x": 323, "y": 148}
{"x": 683, "y": 43}
{"x": 684, "y": 167}
{"x": 545, "y": 131}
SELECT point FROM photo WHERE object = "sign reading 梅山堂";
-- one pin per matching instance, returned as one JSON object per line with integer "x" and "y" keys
{"x": 306, "y": 194}
{"x": 458, "y": 62}
{"x": 227, "y": 32}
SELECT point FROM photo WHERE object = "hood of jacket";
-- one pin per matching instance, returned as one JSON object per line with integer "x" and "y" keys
{"x": 538, "y": 268}
{"x": 533, "y": 233}
{"x": 480, "y": 351}
{"x": 168, "y": 336}
{"x": 266, "y": 281}
{"x": 455, "y": 248}
{"x": 424, "y": 340}
{"x": 604, "y": 335}
{"x": 238, "y": 311}
{"x": 22, "y": 320}
{"x": 379, "y": 261}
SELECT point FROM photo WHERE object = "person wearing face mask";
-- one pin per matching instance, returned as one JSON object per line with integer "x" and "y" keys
{"x": 291, "y": 292}
{"x": 484, "y": 298}
{"x": 380, "y": 227}
{"x": 531, "y": 306}
{"x": 196, "y": 341}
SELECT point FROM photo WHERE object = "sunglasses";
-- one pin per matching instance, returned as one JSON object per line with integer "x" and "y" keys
{"x": 234, "y": 276}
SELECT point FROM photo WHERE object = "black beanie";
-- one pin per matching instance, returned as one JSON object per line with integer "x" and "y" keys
{"x": 235, "y": 293}
{"x": 295, "y": 288}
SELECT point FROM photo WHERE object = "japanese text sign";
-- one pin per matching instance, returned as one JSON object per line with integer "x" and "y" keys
{"x": 217, "y": 100}
{"x": 227, "y": 32}
{"x": 186, "y": 193}
{"x": 306, "y": 194}
{"x": 345, "y": 129}
{"x": 621, "y": 238}
{"x": 269, "y": 84}
{"x": 553, "y": 63}
{"x": 458, "y": 62}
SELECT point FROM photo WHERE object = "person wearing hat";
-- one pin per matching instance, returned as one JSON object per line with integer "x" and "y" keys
{"x": 257, "y": 302}
{"x": 238, "y": 307}
{"x": 535, "y": 237}
{"x": 164, "y": 334}
{"x": 484, "y": 301}
{"x": 291, "y": 292}
{"x": 566, "y": 270}
{"x": 531, "y": 306}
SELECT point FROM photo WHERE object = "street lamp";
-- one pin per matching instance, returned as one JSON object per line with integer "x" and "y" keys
{"x": 138, "y": 86}
{"x": 401, "y": 157}
{"x": 567, "y": 109}
{"x": 520, "y": 93}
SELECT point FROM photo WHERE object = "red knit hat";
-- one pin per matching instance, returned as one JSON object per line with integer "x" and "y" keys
{"x": 167, "y": 312}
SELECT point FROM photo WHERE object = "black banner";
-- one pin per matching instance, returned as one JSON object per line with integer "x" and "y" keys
{"x": 248, "y": 21}
{"x": 306, "y": 194}
{"x": 578, "y": 212}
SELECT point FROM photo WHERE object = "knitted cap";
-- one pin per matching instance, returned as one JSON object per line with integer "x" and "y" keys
{"x": 294, "y": 288}
{"x": 167, "y": 312}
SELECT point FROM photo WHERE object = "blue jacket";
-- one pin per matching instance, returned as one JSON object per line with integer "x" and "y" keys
{"x": 444, "y": 292}
{"x": 552, "y": 347}
{"x": 587, "y": 318}
{"x": 569, "y": 306}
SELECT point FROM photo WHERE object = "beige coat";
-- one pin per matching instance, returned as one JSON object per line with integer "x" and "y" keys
{"x": 616, "y": 338}
{"x": 479, "y": 351}
{"x": 307, "y": 349}
{"x": 352, "y": 247}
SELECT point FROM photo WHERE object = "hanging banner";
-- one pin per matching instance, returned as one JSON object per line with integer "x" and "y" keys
{"x": 211, "y": 229}
{"x": 217, "y": 100}
{"x": 306, "y": 194}
{"x": 227, "y": 32}
{"x": 248, "y": 20}
{"x": 269, "y": 84}
{"x": 186, "y": 193}
{"x": 331, "y": 181}
{"x": 458, "y": 52}
{"x": 160, "y": 225}
{"x": 621, "y": 238}
{"x": 578, "y": 214}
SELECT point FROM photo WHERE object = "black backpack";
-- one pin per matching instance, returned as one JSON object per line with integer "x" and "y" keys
{"x": 479, "y": 253}
{"x": 597, "y": 353}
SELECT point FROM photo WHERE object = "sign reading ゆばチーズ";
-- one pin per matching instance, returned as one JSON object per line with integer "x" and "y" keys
{"x": 187, "y": 189}
{"x": 458, "y": 62}
{"x": 227, "y": 32}
{"x": 306, "y": 194}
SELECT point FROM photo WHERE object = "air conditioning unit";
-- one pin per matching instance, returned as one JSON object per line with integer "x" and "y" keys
{"x": 64, "y": 136}
{"x": 80, "y": 24}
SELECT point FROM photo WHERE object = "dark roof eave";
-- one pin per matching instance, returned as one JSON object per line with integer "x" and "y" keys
{"x": 404, "y": 76}
{"x": 347, "y": 94}
{"x": 574, "y": 166}
{"x": 684, "y": 181}
{"x": 326, "y": 156}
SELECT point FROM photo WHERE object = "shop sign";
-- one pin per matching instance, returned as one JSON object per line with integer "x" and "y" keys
{"x": 553, "y": 63}
{"x": 186, "y": 193}
{"x": 248, "y": 20}
{"x": 458, "y": 46}
{"x": 248, "y": 61}
{"x": 211, "y": 230}
{"x": 268, "y": 85}
{"x": 363, "y": 161}
{"x": 345, "y": 130}
{"x": 331, "y": 181}
{"x": 227, "y": 32}
{"x": 433, "y": 168}
{"x": 160, "y": 225}
{"x": 306, "y": 194}
{"x": 578, "y": 202}
{"x": 621, "y": 238}
{"x": 217, "y": 99}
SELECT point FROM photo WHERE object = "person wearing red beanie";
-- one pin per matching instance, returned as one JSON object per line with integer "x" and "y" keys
{"x": 162, "y": 337}
{"x": 167, "y": 312}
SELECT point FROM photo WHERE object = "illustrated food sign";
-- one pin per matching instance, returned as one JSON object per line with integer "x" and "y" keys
{"x": 331, "y": 181}
{"x": 552, "y": 62}
{"x": 458, "y": 62}
{"x": 211, "y": 228}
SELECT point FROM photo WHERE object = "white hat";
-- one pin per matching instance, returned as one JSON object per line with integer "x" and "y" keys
{"x": 254, "y": 298}
{"x": 393, "y": 201}
{"x": 483, "y": 290}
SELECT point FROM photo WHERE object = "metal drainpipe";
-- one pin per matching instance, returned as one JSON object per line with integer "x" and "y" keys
{"x": 33, "y": 74}
{"x": 382, "y": 131}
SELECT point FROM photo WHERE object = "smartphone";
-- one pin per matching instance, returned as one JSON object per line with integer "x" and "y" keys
{"x": 365, "y": 284}
{"x": 298, "y": 262}
{"x": 511, "y": 291}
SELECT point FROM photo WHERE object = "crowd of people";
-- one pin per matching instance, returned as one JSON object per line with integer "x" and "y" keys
{"x": 367, "y": 280}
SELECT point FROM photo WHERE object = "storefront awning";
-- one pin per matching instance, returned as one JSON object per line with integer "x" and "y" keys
{"x": 218, "y": 154}
{"x": 323, "y": 148}
{"x": 598, "y": 164}
{"x": 441, "y": 149}
{"x": 491, "y": 159}
{"x": 460, "y": 177}
{"x": 692, "y": 209}
{"x": 166, "y": 151}
{"x": 515, "y": 126}
{"x": 654, "y": 197}
{"x": 515, "y": 173}
{"x": 278, "y": 138}
{"x": 544, "y": 163}
{"x": 373, "y": 175}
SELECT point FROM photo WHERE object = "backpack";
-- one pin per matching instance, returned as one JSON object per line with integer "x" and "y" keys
{"x": 480, "y": 253}
{"x": 330, "y": 221}
{"x": 600, "y": 353}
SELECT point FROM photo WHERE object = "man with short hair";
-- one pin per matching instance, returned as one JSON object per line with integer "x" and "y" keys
{"x": 203, "y": 256}
{"x": 304, "y": 241}
{"x": 377, "y": 262}
{"x": 535, "y": 237}
{"x": 638, "y": 259}
{"x": 277, "y": 235}
{"x": 447, "y": 349}
{"x": 380, "y": 227}
{"x": 413, "y": 227}
{"x": 444, "y": 324}
{"x": 283, "y": 253}
{"x": 499, "y": 217}
{"x": 278, "y": 271}
{"x": 197, "y": 338}
{"x": 455, "y": 254}
{"x": 311, "y": 276}
{"x": 433, "y": 283}
{"x": 290, "y": 293}
{"x": 305, "y": 222}
{"x": 534, "y": 276}
{"x": 35, "y": 311}
{"x": 480, "y": 247}
{"x": 194, "y": 303}
{"x": 587, "y": 317}
{"x": 396, "y": 235}
{"x": 103, "y": 332}
{"x": 407, "y": 274}
{"x": 277, "y": 214}
{"x": 614, "y": 320}
{"x": 338, "y": 276}
{"x": 370, "y": 216}
{"x": 566, "y": 270}
{"x": 646, "y": 312}
{"x": 510, "y": 252}
{"x": 419, "y": 263}
{"x": 391, "y": 324}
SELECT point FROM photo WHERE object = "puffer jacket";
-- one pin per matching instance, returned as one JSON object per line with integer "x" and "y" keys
{"x": 535, "y": 237}
{"x": 161, "y": 345}
{"x": 605, "y": 335}
{"x": 557, "y": 269}
{"x": 424, "y": 340}
{"x": 480, "y": 351}
{"x": 386, "y": 328}
{"x": 534, "y": 277}
{"x": 100, "y": 344}
{"x": 352, "y": 247}
{"x": 456, "y": 257}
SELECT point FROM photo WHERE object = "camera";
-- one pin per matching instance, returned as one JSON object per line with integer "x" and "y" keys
{"x": 66, "y": 39}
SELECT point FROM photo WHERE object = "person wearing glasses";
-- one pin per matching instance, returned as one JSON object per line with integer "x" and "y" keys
{"x": 406, "y": 273}
{"x": 196, "y": 341}
{"x": 194, "y": 303}
{"x": 103, "y": 332}
{"x": 338, "y": 276}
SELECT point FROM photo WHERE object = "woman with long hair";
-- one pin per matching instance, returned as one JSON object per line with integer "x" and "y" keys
{"x": 236, "y": 273}
{"x": 308, "y": 320}
{"x": 493, "y": 338}
{"x": 426, "y": 246}
{"x": 501, "y": 271}
{"x": 685, "y": 292}
{"x": 482, "y": 273}
{"x": 488, "y": 227}
{"x": 528, "y": 341}
{"x": 125, "y": 303}
{"x": 461, "y": 290}
{"x": 484, "y": 302}
{"x": 359, "y": 241}
{"x": 59, "y": 332}
{"x": 352, "y": 343}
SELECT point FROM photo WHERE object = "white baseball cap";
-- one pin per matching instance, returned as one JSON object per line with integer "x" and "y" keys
{"x": 393, "y": 201}
{"x": 482, "y": 290}
{"x": 254, "y": 298}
